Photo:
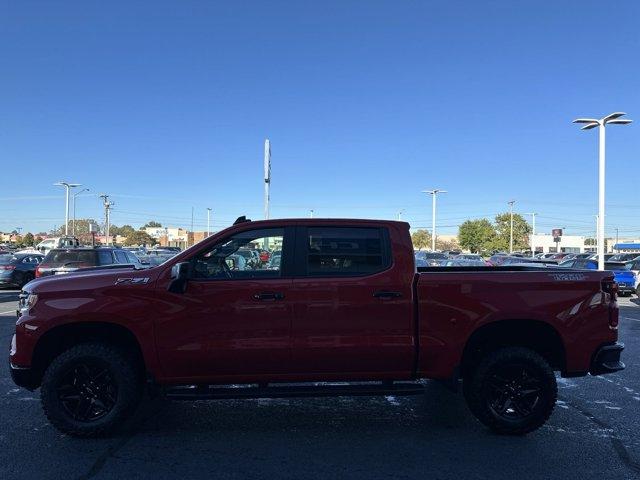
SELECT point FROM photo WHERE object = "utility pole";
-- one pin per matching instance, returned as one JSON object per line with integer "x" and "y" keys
{"x": 400, "y": 215}
{"x": 267, "y": 177}
{"x": 107, "y": 216}
{"x": 433, "y": 194}
{"x": 533, "y": 233}
{"x": 617, "y": 238}
{"x": 511, "y": 226}
{"x": 613, "y": 118}
{"x": 311, "y": 213}
{"x": 208, "y": 221}
{"x": 68, "y": 186}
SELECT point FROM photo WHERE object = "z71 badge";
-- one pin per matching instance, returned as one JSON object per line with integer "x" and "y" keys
{"x": 133, "y": 281}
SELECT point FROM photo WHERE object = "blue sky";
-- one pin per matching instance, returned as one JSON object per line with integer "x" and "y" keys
{"x": 166, "y": 105}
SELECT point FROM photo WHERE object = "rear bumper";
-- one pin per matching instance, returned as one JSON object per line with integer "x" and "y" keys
{"x": 607, "y": 359}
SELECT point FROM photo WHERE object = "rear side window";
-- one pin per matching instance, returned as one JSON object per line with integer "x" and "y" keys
{"x": 105, "y": 257}
{"x": 70, "y": 258}
{"x": 348, "y": 251}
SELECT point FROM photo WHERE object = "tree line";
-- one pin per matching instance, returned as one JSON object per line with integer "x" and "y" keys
{"x": 482, "y": 236}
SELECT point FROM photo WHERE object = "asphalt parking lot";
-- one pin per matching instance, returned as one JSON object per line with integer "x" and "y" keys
{"x": 594, "y": 433}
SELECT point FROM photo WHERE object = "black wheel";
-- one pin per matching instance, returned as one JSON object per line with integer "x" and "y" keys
{"x": 512, "y": 391}
{"x": 90, "y": 389}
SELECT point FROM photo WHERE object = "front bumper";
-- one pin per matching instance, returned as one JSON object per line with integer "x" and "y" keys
{"x": 607, "y": 359}
{"x": 24, "y": 377}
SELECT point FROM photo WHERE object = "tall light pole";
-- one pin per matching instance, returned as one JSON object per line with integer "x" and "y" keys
{"x": 613, "y": 118}
{"x": 267, "y": 176}
{"x": 68, "y": 186}
{"x": 511, "y": 226}
{"x": 533, "y": 232}
{"x": 74, "y": 208}
{"x": 311, "y": 213}
{"x": 400, "y": 215}
{"x": 208, "y": 221}
{"x": 434, "y": 193}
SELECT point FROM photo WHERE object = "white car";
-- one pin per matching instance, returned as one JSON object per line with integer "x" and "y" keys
{"x": 57, "y": 242}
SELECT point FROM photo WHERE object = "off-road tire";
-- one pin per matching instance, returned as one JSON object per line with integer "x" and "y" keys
{"x": 478, "y": 388}
{"x": 124, "y": 379}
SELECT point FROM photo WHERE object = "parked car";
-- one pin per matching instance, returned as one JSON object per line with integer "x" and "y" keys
{"x": 463, "y": 262}
{"x": 66, "y": 260}
{"x": 192, "y": 324}
{"x": 49, "y": 244}
{"x": 429, "y": 259}
{"x": 470, "y": 256}
{"x": 148, "y": 261}
{"x": 623, "y": 257}
{"x": 624, "y": 277}
{"x": 18, "y": 269}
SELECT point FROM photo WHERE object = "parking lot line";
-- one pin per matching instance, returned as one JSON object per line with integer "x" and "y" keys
{"x": 632, "y": 319}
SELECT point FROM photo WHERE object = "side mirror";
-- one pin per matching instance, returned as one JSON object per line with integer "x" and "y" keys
{"x": 179, "y": 277}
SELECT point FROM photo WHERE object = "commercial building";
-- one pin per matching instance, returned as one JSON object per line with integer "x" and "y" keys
{"x": 567, "y": 243}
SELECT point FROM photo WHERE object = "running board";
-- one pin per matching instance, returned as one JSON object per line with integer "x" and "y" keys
{"x": 210, "y": 392}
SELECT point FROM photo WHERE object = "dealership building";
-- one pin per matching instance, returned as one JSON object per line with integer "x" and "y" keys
{"x": 547, "y": 243}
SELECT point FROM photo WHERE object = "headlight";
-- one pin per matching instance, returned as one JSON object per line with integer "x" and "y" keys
{"x": 27, "y": 301}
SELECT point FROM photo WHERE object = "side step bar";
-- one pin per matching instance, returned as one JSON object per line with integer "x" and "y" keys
{"x": 210, "y": 392}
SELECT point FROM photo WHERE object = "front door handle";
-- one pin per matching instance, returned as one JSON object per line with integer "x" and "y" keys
{"x": 386, "y": 294}
{"x": 268, "y": 296}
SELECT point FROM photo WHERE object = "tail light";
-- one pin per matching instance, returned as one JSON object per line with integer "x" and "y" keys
{"x": 38, "y": 272}
{"x": 7, "y": 267}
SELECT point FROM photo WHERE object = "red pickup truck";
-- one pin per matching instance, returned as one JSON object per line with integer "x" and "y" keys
{"x": 338, "y": 309}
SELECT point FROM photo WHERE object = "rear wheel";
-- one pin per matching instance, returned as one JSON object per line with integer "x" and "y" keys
{"x": 90, "y": 389}
{"x": 512, "y": 391}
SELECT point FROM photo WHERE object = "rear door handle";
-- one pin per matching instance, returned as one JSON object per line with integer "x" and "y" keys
{"x": 268, "y": 296}
{"x": 386, "y": 294}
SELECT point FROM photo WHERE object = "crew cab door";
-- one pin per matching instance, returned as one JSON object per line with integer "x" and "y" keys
{"x": 353, "y": 310}
{"x": 233, "y": 321}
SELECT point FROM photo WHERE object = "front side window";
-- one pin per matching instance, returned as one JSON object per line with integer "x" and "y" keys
{"x": 345, "y": 251}
{"x": 232, "y": 258}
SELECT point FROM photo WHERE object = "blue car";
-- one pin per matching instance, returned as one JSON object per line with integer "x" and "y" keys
{"x": 623, "y": 276}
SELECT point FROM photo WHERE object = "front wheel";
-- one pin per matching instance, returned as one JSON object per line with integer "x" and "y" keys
{"x": 90, "y": 389}
{"x": 512, "y": 391}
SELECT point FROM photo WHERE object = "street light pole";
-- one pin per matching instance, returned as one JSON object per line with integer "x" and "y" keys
{"x": 433, "y": 194}
{"x": 511, "y": 226}
{"x": 613, "y": 118}
{"x": 68, "y": 186}
{"x": 74, "y": 208}
{"x": 267, "y": 177}
{"x": 208, "y": 221}
{"x": 311, "y": 213}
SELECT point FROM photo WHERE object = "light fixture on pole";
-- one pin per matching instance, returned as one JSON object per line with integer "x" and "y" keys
{"x": 533, "y": 232}
{"x": 613, "y": 118}
{"x": 67, "y": 186}
{"x": 311, "y": 213}
{"x": 74, "y": 208}
{"x": 433, "y": 194}
{"x": 511, "y": 226}
{"x": 208, "y": 221}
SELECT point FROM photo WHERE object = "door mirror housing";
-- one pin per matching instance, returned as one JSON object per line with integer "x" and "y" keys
{"x": 179, "y": 277}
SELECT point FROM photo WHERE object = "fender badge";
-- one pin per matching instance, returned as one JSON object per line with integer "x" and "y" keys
{"x": 133, "y": 280}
